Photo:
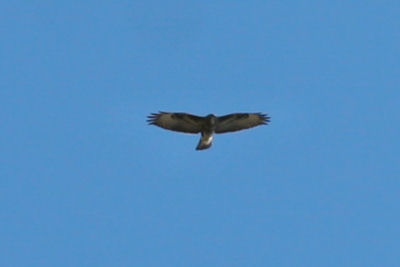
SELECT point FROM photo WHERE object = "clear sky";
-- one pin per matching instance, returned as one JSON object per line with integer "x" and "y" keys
{"x": 86, "y": 182}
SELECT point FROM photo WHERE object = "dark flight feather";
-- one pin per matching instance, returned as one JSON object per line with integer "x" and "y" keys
{"x": 180, "y": 122}
{"x": 208, "y": 125}
{"x": 240, "y": 121}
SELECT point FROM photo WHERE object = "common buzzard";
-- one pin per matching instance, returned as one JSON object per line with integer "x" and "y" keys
{"x": 208, "y": 125}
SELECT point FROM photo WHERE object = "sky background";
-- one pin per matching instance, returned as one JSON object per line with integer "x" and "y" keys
{"x": 85, "y": 182}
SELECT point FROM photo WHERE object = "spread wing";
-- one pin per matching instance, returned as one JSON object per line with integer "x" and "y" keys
{"x": 240, "y": 121}
{"x": 180, "y": 122}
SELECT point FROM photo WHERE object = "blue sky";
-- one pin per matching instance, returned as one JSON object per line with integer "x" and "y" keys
{"x": 85, "y": 182}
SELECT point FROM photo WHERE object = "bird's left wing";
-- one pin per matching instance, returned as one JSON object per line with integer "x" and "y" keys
{"x": 240, "y": 121}
{"x": 180, "y": 122}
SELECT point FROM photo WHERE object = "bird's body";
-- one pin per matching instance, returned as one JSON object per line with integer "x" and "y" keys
{"x": 205, "y": 140}
{"x": 208, "y": 125}
{"x": 207, "y": 132}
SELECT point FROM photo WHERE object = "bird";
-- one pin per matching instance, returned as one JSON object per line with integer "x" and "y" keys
{"x": 208, "y": 125}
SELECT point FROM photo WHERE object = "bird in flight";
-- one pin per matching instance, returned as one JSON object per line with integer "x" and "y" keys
{"x": 208, "y": 125}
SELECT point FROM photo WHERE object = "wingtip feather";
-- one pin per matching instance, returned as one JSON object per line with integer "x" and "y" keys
{"x": 265, "y": 118}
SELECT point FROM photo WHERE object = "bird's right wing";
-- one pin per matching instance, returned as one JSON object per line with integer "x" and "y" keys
{"x": 240, "y": 121}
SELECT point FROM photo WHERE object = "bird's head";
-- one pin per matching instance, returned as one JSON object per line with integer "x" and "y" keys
{"x": 211, "y": 118}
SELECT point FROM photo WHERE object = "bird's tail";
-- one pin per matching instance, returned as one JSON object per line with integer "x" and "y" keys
{"x": 205, "y": 141}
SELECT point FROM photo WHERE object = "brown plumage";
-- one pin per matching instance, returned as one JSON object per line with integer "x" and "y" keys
{"x": 208, "y": 125}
